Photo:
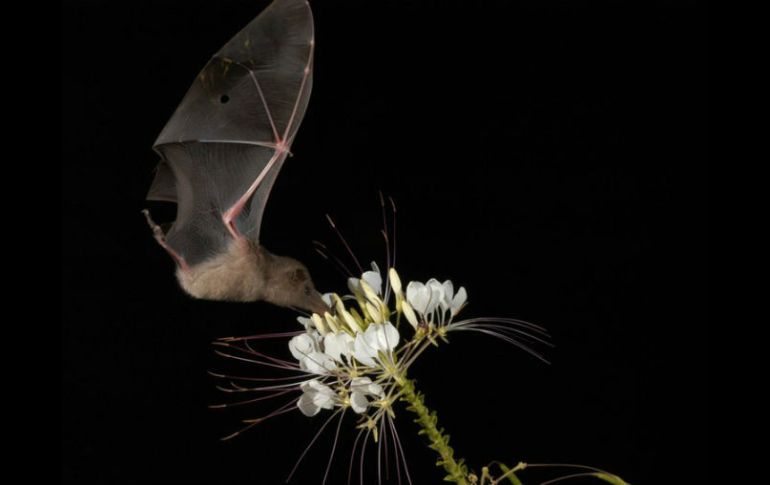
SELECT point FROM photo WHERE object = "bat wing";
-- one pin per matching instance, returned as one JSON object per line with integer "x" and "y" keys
{"x": 226, "y": 142}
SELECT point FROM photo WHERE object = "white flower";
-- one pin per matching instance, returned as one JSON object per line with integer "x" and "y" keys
{"x": 356, "y": 344}
{"x": 378, "y": 337}
{"x": 337, "y": 345}
{"x": 315, "y": 396}
{"x": 353, "y": 347}
{"x": 451, "y": 301}
{"x": 304, "y": 344}
{"x": 306, "y": 348}
{"x": 426, "y": 298}
{"x": 373, "y": 278}
{"x": 360, "y": 387}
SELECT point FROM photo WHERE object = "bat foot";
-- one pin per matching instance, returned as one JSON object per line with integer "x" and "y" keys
{"x": 156, "y": 230}
{"x": 160, "y": 236}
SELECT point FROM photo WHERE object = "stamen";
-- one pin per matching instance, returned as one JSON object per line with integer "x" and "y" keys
{"x": 345, "y": 243}
{"x": 311, "y": 445}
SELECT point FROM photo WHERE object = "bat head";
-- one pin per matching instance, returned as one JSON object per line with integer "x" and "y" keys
{"x": 248, "y": 272}
{"x": 290, "y": 285}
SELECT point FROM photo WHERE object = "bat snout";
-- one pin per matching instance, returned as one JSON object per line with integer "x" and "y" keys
{"x": 316, "y": 304}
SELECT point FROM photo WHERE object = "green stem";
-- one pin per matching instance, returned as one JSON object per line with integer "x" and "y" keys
{"x": 457, "y": 471}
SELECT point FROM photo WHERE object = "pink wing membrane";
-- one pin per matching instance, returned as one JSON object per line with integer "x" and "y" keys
{"x": 225, "y": 144}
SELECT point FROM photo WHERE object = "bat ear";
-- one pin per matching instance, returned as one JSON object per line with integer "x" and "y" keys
{"x": 299, "y": 275}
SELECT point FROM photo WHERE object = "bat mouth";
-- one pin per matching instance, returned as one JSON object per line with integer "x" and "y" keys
{"x": 316, "y": 304}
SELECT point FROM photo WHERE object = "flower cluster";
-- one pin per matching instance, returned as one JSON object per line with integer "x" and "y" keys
{"x": 355, "y": 351}
{"x": 356, "y": 356}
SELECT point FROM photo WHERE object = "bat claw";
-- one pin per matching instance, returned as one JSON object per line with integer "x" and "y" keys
{"x": 156, "y": 230}
{"x": 160, "y": 236}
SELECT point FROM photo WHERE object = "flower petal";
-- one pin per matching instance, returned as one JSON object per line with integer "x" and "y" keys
{"x": 388, "y": 336}
{"x": 376, "y": 389}
{"x": 359, "y": 384}
{"x": 302, "y": 345}
{"x": 354, "y": 285}
{"x": 373, "y": 278}
{"x": 363, "y": 352}
{"x": 323, "y": 400}
{"x": 318, "y": 386}
{"x": 449, "y": 291}
{"x": 338, "y": 344}
{"x": 358, "y": 402}
{"x": 370, "y": 337}
{"x": 366, "y": 386}
{"x": 418, "y": 295}
{"x": 307, "y": 406}
{"x": 381, "y": 337}
{"x": 459, "y": 300}
{"x": 306, "y": 322}
{"x": 370, "y": 293}
{"x": 316, "y": 395}
{"x": 436, "y": 295}
{"x": 332, "y": 347}
{"x": 318, "y": 363}
{"x": 307, "y": 386}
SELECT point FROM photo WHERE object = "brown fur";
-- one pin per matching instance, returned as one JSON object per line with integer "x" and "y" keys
{"x": 248, "y": 272}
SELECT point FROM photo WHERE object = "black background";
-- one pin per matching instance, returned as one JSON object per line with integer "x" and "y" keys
{"x": 548, "y": 155}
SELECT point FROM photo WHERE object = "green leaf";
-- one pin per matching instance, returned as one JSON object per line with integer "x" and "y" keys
{"x": 609, "y": 478}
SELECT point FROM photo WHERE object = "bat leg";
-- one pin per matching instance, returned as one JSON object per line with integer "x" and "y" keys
{"x": 157, "y": 232}
{"x": 230, "y": 214}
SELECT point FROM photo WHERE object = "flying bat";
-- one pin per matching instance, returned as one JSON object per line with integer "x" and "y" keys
{"x": 221, "y": 152}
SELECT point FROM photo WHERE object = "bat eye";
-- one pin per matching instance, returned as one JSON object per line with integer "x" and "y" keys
{"x": 224, "y": 98}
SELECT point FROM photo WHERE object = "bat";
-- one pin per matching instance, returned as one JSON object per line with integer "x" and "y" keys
{"x": 221, "y": 152}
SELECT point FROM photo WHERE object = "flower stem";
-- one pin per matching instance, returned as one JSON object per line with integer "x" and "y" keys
{"x": 457, "y": 471}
